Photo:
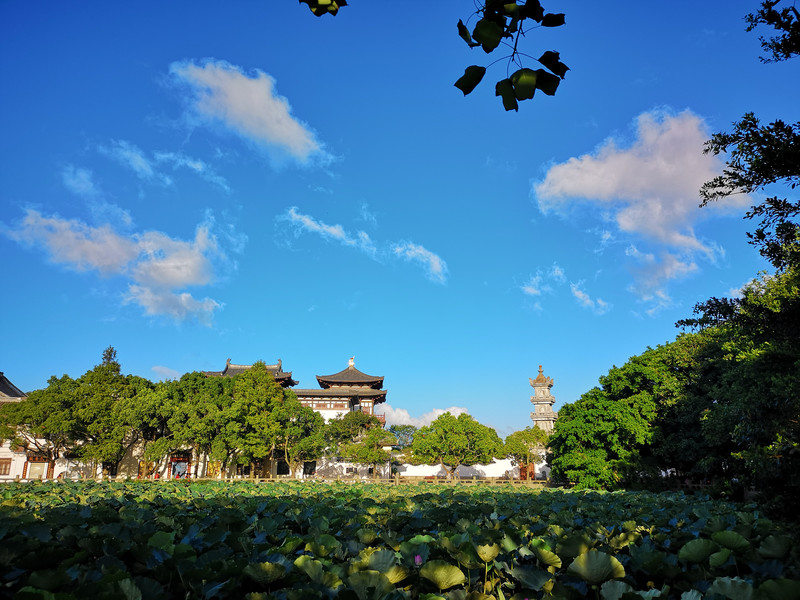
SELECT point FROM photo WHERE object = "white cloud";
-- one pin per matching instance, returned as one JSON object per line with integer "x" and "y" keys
{"x": 337, "y": 233}
{"x": 537, "y": 284}
{"x": 400, "y": 416}
{"x": 201, "y": 168}
{"x": 134, "y": 158}
{"x": 157, "y": 267}
{"x": 650, "y": 188}
{"x": 79, "y": 181}
{"x": 248, "y": 105}
{"x": 76, "y": 244}
{"x": 435, "y": 267}
{"x": 596, "y": 305}
{"x": 165, "y": 373}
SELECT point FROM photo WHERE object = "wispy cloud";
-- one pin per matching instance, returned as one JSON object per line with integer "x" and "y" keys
{"x": 596, "y": 305}
{"x": 79, "y": 181}
{"x": 134, "y": 158}
{"x": 248, "y": 105}
{"x": 552, "y": 281}
{"x": 650, "y": 188}
{"x": 434, "y": 266}
{"x": 400, "y": 416}
{"x": 158, "y": 268}
{"x": 148, "y": 168}
{"x": 166, "y": 373}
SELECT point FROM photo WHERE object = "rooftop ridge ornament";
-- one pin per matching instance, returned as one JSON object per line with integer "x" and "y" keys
{"x": 351, "y": 362}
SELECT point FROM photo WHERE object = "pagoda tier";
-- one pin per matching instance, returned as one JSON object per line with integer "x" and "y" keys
{"x": 284, "y": 378}
{"x": 543, "y": 415}
{"x": 350, "y": 377}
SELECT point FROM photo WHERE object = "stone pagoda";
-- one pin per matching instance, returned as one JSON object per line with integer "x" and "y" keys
{"x": 543, "y": 415}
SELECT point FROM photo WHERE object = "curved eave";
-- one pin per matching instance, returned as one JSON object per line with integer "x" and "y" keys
{"x": 377, "y": 396}
{"x": 350, "y": 377}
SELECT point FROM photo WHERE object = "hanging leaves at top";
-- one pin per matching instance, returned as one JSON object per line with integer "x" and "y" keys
{"x": 324, "y": 7}
{"x": 502, "y": 23}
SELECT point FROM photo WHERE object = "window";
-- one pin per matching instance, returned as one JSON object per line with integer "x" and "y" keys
{"x": 283, "y": 468}
{"x": 309, "y": 467}
{"x": 5, "y": 466}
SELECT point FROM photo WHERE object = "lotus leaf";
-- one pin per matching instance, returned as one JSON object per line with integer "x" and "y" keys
{"x": 442, "y": 574}
{"x": 382, "y": 560}
{"x": 779, "y": 589}
{"x": 733, "y": 588}
{"x": 731, "y": 540}
{"x": 531, "y": 578}
{"x": 775, "y": 546}
{"x": 487, "y": 552}
{"x": 550, "y": 559}
{"x": 717, "y": 559}
{"x": 370, "y": 585}
{"x": 613, "y": 590}
{"x": 596, "y": 567}
{"x": 264, "y": 572}
{"x": 697, "y": 550}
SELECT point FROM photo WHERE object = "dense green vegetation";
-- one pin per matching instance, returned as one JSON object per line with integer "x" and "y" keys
{"x": 721, "y": 403}
{"x": 297, "y": 540}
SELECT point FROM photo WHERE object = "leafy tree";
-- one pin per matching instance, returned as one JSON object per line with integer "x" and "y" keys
{"x": 346, "y": 429}
{"x": 604, "y": 440}
{"x": 764, "y": 155}
{"x": 369, "y": 448}
{"x": 44, "y": 422}
{"x": 786, "y": 21}
{"x": 298, "y": 431}
{"x": 527, "y": 447}
{"x": 498, "y": 24}
{"x": 107, "y": 423}
{"x": 404, "y": 434}
{"x": 454, "y": 441}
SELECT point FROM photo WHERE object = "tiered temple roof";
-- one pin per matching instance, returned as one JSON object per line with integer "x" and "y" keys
{"x": 350, "y": 377}
{"x": 9, "y": 392}
{"x": 282, "y": 377}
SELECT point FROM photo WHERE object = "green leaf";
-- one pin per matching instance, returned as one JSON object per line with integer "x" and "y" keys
{"x": 396, "y": 574}
{"x": 470, "y": 79}
{"x": 524, "y": 82}
{"x": 697, "y": 550}
{"x": 130, "y": 591}
{"x": 505, "y": 89}
{"x": 596, "y": 567}
{"x": 547, "y": 82}
{"x": 531, "y": 578}
{"x": 779, "y": 589}
{"x": 613, "y": 590}
{"x": 382, "y": 560}
{"x": 464, "y": 33}
{"x": 442, "y": 574}
{"x": 264, "y": 572}
{"x": 488, "y": 34}
{"x": 487, "y": 552}
{"x": 731, "y": 540}
{"x": 734, "y": 588}
{"x": 551, "y": 559}
{"x": 775, "y": 546}
{"x": 552, "y": 60}
{"x": 717, "y": 559}
{"x": 309, "y": 566}
{"x": 370, "y": 585}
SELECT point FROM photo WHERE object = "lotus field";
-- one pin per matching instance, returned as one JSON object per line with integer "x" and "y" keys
{"x": 150, "y": 540}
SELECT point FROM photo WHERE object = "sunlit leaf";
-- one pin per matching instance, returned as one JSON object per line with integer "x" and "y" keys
{"x": 442, "y": 574}
{"x": 524, "y": 83}
{"x": 596, "y": 567}
{"x": 488, "y": 552}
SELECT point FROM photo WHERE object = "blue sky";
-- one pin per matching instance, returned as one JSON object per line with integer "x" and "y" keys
{"x": 191, "y": 182}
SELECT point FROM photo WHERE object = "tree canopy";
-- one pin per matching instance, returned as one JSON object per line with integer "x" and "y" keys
{"x": 454, "y": 441}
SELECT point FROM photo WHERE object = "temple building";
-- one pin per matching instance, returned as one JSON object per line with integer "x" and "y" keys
{"x": 349, "y": 390}
{"x": 15, "y": 462}
{"x": 543, "y": 415}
